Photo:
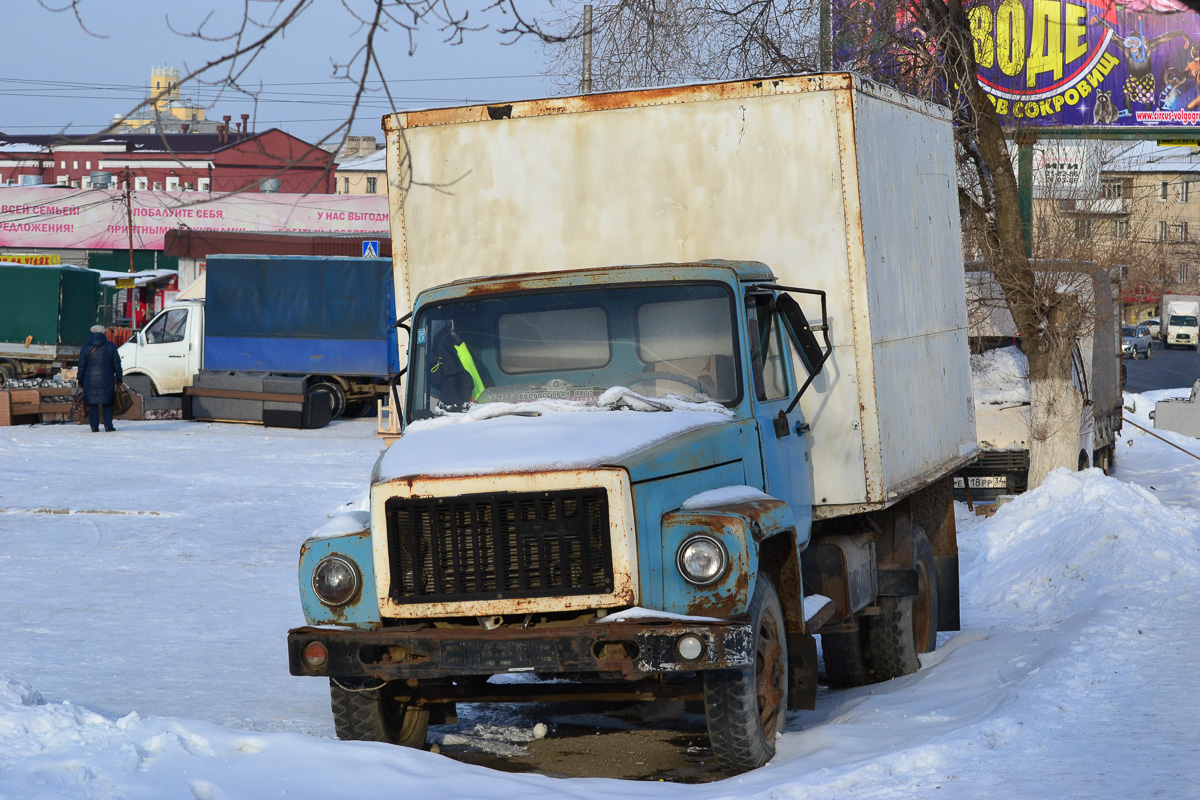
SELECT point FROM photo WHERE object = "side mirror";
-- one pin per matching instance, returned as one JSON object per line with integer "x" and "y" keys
{"x": 802, "y": 334}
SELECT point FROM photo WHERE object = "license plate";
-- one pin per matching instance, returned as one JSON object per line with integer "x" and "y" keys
{"x": 501, "y": 656}
{"x": 983, "y": 482}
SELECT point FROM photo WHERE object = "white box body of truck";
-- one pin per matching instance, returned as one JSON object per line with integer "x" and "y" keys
{"x": 837, "y": 183}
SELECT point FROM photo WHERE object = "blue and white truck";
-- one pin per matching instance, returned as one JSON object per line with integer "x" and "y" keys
{"x": 705, "y": 409}
{"x": 328, "y": 319}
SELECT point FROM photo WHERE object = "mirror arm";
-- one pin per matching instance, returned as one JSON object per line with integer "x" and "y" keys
{"x": 792, "y": 405}
{"x": 823, "y": 327}
{"x": 394, "y": 381}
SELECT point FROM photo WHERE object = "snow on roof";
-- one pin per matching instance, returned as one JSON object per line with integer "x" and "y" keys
{"x": 139, "y": 278}
{"x": 1151, "y": 157}
{"x": 21, "y": 147}
{"x": 376, "y": 162}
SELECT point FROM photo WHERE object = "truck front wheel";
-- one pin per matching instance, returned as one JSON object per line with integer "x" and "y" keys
{"x": 906, "y": 626}
{"x": 375, "y": 715}
{"x": 746, "y": 709}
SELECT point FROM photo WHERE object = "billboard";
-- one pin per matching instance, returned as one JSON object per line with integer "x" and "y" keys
{"x": 1107, "y": 63}
{"x": 47, "y": 217}
{"x": 1128, "y": 63}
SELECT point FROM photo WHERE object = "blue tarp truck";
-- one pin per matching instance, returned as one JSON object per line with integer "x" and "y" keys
{"x": 705, "y": 410}
{"x": 328, "y": 321}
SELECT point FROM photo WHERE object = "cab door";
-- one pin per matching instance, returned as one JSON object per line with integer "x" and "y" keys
{"x": 784, "y": 447}
{"x": 163, "y": 350}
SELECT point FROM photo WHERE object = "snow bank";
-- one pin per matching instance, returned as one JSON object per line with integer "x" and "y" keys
{"x": 1079, "y": 541}
{"x": 144, "y": 654}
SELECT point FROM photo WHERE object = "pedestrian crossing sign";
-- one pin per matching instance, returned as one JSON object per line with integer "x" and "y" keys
{"x": 371, "y": 249}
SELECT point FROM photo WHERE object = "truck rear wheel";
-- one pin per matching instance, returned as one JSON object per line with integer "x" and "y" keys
{"x": 337, "y": 397}
{"x": 906, "y": 626}
{"x": 356, "y": 408}
{"x": 374, "y": 715}
{"x": 845, "y": 657}
{"x": 746, "y": 709}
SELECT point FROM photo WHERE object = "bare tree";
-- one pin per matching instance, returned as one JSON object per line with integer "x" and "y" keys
{"x": 264, "y": 23}
{"x": 664, "y": 42}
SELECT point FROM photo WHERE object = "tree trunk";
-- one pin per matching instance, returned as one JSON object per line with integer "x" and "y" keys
{"x": 1054, "y": 413}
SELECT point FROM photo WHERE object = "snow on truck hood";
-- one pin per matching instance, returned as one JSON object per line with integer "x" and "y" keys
{"x": 542, "y": 435}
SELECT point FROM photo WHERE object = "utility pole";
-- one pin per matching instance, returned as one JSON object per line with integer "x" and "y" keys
{"x": 825, "y": 21}
{"x": 587, "y": 49}
{"x": 128, "y": 174}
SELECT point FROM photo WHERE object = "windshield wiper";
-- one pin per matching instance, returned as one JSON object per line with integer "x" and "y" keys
{"x": 621, "y": 397}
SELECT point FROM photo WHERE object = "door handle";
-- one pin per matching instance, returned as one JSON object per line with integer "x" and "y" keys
{"x": 170, "y": 356}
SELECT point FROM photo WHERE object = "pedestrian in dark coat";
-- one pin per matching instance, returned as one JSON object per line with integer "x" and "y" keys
{"x": 99, "y": 373}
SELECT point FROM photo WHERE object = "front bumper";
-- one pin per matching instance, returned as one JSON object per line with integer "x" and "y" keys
{"x": 633, "y": 650}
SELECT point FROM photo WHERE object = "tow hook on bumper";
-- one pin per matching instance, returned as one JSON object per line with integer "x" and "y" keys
{"x": 633, "y": 650}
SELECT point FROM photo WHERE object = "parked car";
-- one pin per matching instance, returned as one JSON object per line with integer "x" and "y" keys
{"x": 1135, "y": 339}
{"x": 1153, "y": 325}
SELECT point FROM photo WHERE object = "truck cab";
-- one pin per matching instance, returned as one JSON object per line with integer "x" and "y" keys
{"x": 1180, "y": 326}
{"x": 169, "y": 349}
{"x": 605, "y": 477}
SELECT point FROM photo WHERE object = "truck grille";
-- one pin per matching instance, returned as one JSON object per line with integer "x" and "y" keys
{"x": 1002, "y": 461}
{"x": 533, "y": 544}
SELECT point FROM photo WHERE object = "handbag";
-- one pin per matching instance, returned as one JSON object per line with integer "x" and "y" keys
{"x": 122, "y": 399}
{"x": 79, "y": 411}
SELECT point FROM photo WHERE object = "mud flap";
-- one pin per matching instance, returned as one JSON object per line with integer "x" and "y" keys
{"x": 947, "y": 599}
{"x": 802, "y": 671}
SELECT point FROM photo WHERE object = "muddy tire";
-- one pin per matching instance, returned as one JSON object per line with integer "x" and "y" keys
{"x": 375, "y": 716}
{"x": 845, "y": 657}
{"x": 906, "y": 626}
{"x": 747, "y": 709}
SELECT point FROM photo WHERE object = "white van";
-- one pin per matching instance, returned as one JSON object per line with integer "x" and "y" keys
{"x": 170, "y": 350}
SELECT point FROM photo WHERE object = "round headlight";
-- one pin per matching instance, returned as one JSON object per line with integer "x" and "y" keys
{"x": 335, "y": 581}
{"x": 701, "y": 560}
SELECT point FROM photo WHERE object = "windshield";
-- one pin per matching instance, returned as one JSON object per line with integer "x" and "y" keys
{"x": 1182, "y": 321}
{"x": 1128, "y": 331}
{"x": 659, "y": 341}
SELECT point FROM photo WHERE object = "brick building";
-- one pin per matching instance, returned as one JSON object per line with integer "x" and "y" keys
{"x": 232, "y": 159}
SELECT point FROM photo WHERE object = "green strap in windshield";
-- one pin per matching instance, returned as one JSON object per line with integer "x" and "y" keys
{"x": 468, "y": 363}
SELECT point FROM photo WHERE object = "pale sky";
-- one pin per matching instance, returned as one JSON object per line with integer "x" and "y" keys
{"x": 57, "y": 77}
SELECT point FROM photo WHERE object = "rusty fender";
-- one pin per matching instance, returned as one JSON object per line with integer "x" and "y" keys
{"x": 632, "y": 650}
{"x": 742, "y": 528}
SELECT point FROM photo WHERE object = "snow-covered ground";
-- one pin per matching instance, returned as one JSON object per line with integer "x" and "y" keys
{"x": 148, "y": 578}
